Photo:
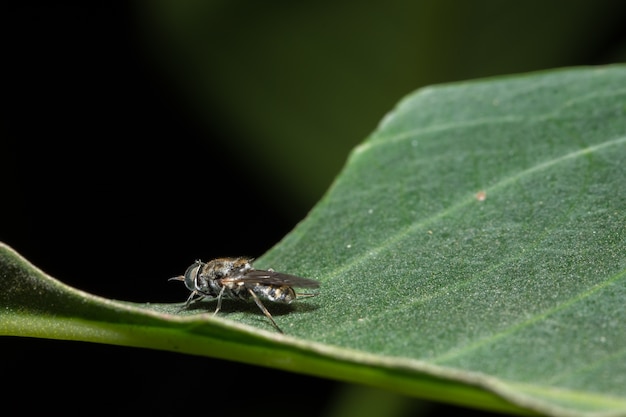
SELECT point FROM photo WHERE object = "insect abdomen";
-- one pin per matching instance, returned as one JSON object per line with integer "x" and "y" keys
{"x": 277, "y": 294}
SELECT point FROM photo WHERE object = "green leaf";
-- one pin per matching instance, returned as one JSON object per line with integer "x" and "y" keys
{"x": 471, "y": 251}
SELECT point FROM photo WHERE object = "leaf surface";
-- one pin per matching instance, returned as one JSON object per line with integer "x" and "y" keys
{"x": 471, "y": 251}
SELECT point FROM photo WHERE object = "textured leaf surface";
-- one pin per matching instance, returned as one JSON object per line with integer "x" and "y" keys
{"x": 472, "y": 251}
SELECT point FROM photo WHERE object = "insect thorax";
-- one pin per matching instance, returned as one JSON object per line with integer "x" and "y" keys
{"x": 223, "y": 267}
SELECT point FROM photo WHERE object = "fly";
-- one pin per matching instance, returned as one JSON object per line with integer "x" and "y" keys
{"x": 236, "y": 278}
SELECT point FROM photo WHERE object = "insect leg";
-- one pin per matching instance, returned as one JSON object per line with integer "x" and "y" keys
{"x": 190, "y": 300}
{"x": 304, "y": 295}
{"x": 263, "y": 309}
{"x": 219, "y": 300}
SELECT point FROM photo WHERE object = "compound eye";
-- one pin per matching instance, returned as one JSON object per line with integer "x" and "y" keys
{"x": 191, "y": 274}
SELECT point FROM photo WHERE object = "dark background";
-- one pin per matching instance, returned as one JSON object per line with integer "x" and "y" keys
{"x": 124, "y": 156}
{"x": 110, "y": 185}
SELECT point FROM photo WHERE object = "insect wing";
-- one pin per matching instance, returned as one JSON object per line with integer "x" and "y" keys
{"x": 259, "y": 276}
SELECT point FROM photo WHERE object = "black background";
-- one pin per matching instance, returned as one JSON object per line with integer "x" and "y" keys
{"x": 104, "y": 177}
{"x": 103, "y": 167}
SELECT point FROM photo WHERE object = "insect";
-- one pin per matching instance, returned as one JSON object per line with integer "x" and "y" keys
{"x": 236, "y": 278}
